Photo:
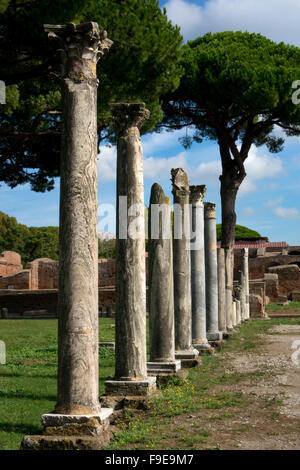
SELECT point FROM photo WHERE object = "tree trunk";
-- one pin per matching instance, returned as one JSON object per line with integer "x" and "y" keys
{"x": 228, "y": 191}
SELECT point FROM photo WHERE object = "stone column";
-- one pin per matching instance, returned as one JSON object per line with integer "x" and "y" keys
{"x": 245, "y": 269}
{"x": 238, "y": 311}
{"x": 130, "y": 364}
{"x": 221, "y": 289}
{"x": 211, "y": 270}
{"x": 161, "y": 289}
{"x": 234, "y": 318}
{"x": 199, "y": 339}
{"x": 242, "y": 296}
{"x": 182, "y": 267}
{"x": 228, "y": 278}
{"x": 81, "y": 47}
{"x": 78, "y": 396}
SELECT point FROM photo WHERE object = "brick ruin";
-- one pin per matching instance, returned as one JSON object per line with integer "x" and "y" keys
{"x": 274, "y": 272}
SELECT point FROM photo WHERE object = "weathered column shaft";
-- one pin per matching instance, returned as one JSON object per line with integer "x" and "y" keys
{"x": 181, "y": 262}
{"x": 221, "y": 289}
{"x": 130, "y": 361}
{"x": 238, "y": 311}
{"x": 245, "y": 269}
{"x": 242, "y": 296}
{"x": 228, "y": 279}
{"x": 211, "y": 270}
{"x": 199, "y": 338}
{"x": 160, "y": 278}
{"x": 81, "y": 45}
{"x": 234, "y": 318}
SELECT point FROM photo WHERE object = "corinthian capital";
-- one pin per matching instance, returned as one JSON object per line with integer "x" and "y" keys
{"x": 197, "y": 193}
{"x": 129, "y": 115}
{"x": 209, "y": 210}
{"x": 81, "y": 46}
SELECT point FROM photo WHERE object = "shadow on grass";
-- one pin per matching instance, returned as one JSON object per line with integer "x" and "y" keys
{"x": 27, "y": 396}
{"x": 32, "y": 376}
{"x": 20, "y": 428}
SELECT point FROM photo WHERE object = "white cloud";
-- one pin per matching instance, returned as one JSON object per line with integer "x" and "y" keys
{"x": 275, "y": 19}
{"x": 287, "y": 213}
{"x": 273, "y": 202}
{"x": 160, "y": 141}
{"x": 107, "y": 165}
{"x": 161, "y": 167}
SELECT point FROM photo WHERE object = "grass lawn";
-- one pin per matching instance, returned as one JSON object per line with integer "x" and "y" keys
{"x": 28, "y": 385}
{"x": 279, "y": 307}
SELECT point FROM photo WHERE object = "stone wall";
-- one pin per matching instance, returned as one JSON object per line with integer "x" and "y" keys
{"x": 10, "y": 263}
{"x": 20, "y": 280}
{"x": 27, "y": 303}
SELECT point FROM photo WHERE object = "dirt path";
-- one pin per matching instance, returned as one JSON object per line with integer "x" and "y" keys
{"x": 270, "y": 417}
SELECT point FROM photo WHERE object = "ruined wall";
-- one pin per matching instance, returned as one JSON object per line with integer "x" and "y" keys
{"x": 20, "y": 280}
{"x": 10, "y": 263}
{"x": 288, "y": 278}
{"x": 44, "y": 302}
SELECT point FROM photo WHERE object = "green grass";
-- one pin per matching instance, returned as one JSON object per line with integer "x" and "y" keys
{"x": 28, "y": 381}
{"x": 28, "y": 384}
{"x": 277, "y": 307}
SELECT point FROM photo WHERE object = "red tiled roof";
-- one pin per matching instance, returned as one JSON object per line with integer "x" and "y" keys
{"x": 259, "y": 245}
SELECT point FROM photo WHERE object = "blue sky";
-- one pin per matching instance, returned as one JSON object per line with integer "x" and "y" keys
{"x": 268, "y": 199}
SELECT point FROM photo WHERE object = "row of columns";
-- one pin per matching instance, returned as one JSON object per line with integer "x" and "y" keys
{"x": 173, "y": 331}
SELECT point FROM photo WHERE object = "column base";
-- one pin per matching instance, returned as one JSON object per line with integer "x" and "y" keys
{"x": 188, "y": 357}
{"x": 71, "y": 432}
{"x": 163, "y": 367}
{"x": 123, "y": 388}
{"x": 214, "y": 336}
{"x": 201, "y": 345}
{"x": 107, "y": 344}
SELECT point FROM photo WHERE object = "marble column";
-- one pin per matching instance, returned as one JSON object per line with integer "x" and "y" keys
{"x": 182, "y": 266}
{"x": 238, "y": 311}
{"x": 221, "y": 289}
{"x": 199, "y": 339}
{"x": 245, "y": 269}
{"x": 228, "y": 279}
{"x": 130, "y": 364}
{"x": 234, "y": 317}
{"x": 161, "y": 289}
{"x": 211, "y": 271}
{"x": 80, "y": 46}
{"x": 242, "y": 296}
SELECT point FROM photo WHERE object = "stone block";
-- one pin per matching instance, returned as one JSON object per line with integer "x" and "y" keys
{"x": 162, "y": 368}
{"x": 144, "y": 387}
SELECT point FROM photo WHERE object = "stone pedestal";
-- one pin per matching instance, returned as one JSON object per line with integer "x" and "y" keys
{"x": 130, "y": 364}
{"x": 181, "y": 265}
{"x": 199, "y": 339}
{"x": 229, "y": 286}
{"x": 161, "y": 289}
{"x": 71, "y": 432}
{"x": 211, "y": 271}
{"x": 221, "y": 290}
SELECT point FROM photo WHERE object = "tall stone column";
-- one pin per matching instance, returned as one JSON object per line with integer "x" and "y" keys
{"x": 160, "y": 282}
{"x": 228, "y": 279}
{"x": 211, "y": 270}
{"x": 242, "y": 296}
{"x": 130, "y": 364}
{"x": 245, "y": 269}
{"x": 199, "y": 339}
{"x": 221, "y": 289}
{"x": 78, "y": 396}
{"x": 234, "y": 317}
{"x": 182, "y": 267}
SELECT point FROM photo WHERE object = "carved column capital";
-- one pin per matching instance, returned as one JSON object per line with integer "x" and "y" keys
{"x": 197, "y": 193}
{"x": 128, "y": 115}
{"x": 209, "y": 210}
{"x": 81, "y": 46}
